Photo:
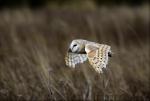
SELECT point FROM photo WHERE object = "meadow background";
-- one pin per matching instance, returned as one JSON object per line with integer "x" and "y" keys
{"x": 34, "y": 38}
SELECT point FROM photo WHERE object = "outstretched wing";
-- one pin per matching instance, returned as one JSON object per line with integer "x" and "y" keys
{"x": 98, "y": 56}
{"x": 73, "y": 58}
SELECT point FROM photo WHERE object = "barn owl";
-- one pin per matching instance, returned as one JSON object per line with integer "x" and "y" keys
{"x": 81, "y": 50}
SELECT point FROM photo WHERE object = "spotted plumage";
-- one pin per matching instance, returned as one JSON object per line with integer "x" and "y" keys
{"x": 81, "y": 50}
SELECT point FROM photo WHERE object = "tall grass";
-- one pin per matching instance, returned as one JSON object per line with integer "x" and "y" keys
{"x": 33, "y": 45}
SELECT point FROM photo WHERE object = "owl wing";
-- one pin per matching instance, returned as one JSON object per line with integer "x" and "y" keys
{"x": 73, "y": 58}
{"x": 98, "y": 55}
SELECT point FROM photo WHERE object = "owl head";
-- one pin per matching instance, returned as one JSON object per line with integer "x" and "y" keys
{"x": 77, "y": 46}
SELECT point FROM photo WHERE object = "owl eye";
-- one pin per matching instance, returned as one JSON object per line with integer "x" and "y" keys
{"x": 74, "y": 45}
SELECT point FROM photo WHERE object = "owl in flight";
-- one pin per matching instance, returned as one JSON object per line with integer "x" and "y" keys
{"x": 80, "y": 50}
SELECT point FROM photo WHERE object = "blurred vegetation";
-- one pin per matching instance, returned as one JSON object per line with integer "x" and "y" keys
{"x": 33, "y": 45}
{"x": 38, "y": 3}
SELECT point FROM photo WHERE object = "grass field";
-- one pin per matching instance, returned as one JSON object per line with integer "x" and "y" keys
{"x": 33, "y": 44}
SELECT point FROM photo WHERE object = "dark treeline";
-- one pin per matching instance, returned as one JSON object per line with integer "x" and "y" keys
{"x": 38, "y": 3}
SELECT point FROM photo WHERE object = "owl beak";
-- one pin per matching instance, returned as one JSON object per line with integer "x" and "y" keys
{"x": 69, "y": 50}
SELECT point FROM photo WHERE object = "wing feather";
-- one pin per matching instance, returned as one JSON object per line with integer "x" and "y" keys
{"x": 98, "y": 55}
{"x": 73, "y": 58}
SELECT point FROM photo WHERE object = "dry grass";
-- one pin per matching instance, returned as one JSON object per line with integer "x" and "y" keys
{"x": 33, "y": 45}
